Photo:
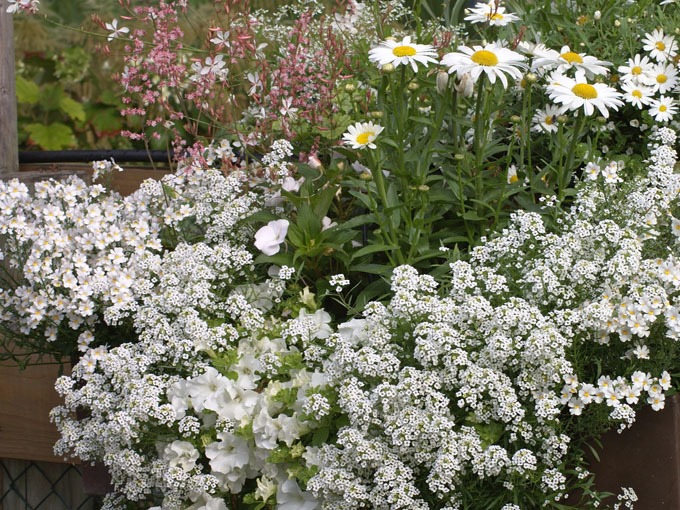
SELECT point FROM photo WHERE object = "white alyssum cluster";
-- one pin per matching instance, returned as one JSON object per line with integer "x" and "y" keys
{"x": 212, "y": 389}
{"x": 468, "y": 388}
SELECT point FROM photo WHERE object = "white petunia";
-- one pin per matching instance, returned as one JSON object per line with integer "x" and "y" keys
{"x": 269, "y": 238}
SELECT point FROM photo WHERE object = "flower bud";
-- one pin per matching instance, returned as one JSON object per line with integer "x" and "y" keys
{"x": 597, "y": 15}
{"x": 366, "y": 176}
{"x": 562, "y": 119}
{"x": 601, "y": 120}
{"x": 531, "y": 78}
{"x": 350, "y": 87}
{"x": 376, "y": 114}
{"x": 617, "y": 23}
{"x": 423, "y": 187}
{"x": 459, "y": 157}
{"x": 387, "y": 68}
{"x": 390, "y": 38}
{"x": 442, "y": 81}
{"x": 466, "y": 85}
{"x": 515, "y": 119}
{"x": 413, "y": 86}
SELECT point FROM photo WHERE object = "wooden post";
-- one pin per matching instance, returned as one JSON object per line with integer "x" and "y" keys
{"x": 9, "y": 145}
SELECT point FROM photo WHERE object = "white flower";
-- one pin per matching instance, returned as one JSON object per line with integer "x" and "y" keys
{"x": 566, "y": 59}
{"x": 490, "y": 13}
{"x": 402, "y": 53}
{"x": 591, "y": 171}
{"x": 115, "y": 31}
{"x": 182, "y": 454}
{"x": 512, "y": 174}
{"x": 362, "y": 134}
{"x": 636, "y": 69}
{"x": 492, "y": 59}
{"x": 663, "y": 109}
{"x": 269, "y": 238}
{"x": 661, "y": 48}
{"x": 229, "y": 453}
{"x": 575, "y": 94}
{"x": 545, "y": 120}
{"x": 221, "y": 38}
{"x": 637, "y": 95}
{"x": 662, "y": 78}
{"x": 290, "y": 497}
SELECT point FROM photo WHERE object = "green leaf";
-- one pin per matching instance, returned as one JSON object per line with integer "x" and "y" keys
{"x": 53, "y": 137}
{"x": 50, "y": 96}
{"x": 27, "y": 91}
{"x": 106, "y": 122}
{"x": 320, "y": 436}
{"x": 372, "y": 269}
{"x": 321, "y": 202}
{"x": 308, "y": 221}
{"x": 109, "y": 97}
{"x": 373, "y": 248}
{"x": 72, "y": 108}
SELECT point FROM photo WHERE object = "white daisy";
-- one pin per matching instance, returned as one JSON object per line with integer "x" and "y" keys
{"x": 663, "y": 78}
{"x": 574, "y": 94}
{"x": 565, "y": 59}
{"x": 362, "y": 134}
{"x": 660, "y": 47}
{"x": 491, "y": 59}
{"x": 637, "y": 68}
{"x": 663, "y": 109}
{"x": 545, "y": 120}
{"x": 402, "y": 53}
{"x": 637, "y": 95}
{"x": 490, "y": 13}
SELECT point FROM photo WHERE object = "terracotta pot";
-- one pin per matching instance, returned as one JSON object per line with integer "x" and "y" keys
{"x": 645, "y": 457}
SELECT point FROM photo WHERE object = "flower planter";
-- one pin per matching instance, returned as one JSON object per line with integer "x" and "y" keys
{"x": 645, "y": 457}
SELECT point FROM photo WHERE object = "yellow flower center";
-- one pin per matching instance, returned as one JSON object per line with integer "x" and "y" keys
{"x": 660, "y": 46}
{"x": 549, "y": 120}
{"x": 572, "y": 57}
{"x": 661, "y": 78}
{"x": 636, "y": 70}
{"x": 404, "y": 51}
{"x": 637, "y": 93}
{"x": 363, "y": 138}
{"x": 513, "y": 178}
{"x": 495, "y": 17}
{"x": 662, "y": 108}
{"x": 584, "y": 91}
{"x": 484, "y": 58}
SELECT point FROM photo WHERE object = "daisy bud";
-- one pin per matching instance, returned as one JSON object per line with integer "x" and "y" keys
{"x": 387, "y": 68}
{"x": 350, "y": 87}
{"x": 515, "y": 119}
{"x": 376, "y": 114}
{"x": 562, "y": 119}
{"x": 442, "y": 81}
{"x": 617, "y": 23}
{"x": 531, "y": 78}
{"x": 413, "y": 86}
{"x": 597, "y": 15}
{"x": 366, "y": 176}
{"x": 423, "y": 187}
{"x": 601, "y": 120}
{"x": 459, "y": 157}
{"x": 466, "y": 85}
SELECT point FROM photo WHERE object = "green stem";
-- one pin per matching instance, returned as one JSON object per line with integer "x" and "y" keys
{"x": 566, "y": 170}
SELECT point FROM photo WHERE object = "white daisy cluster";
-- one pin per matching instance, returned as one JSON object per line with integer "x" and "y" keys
{"x": 652, "y": 80}
{"x": 69, "y": 251}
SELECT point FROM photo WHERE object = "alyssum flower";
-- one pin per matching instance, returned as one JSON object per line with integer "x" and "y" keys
{"x": 402, "y": 53}
{"x": 491, "y": 59}
{"x": 362, "y": 134}
{"x": 574, "y": 94}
